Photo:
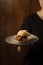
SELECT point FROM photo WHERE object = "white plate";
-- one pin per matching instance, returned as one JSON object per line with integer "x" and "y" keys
{"x": 31, "y": 40}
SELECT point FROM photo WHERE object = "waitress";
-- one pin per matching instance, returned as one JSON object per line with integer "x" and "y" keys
{"x": 34, "y": 25}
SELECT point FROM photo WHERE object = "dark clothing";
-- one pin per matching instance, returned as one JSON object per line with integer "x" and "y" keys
{"x": 34, "y": 25}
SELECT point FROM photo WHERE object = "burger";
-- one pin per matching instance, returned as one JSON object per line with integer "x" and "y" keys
{"x": 22, "y": 36}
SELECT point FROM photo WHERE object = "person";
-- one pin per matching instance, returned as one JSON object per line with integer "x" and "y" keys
{"x": 34, "y": 24}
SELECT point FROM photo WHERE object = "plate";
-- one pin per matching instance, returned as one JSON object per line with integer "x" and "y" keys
{"x": 31, "y": 39}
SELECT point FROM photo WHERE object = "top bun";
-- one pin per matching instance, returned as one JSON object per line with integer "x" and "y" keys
{"x": 23, "y": 33}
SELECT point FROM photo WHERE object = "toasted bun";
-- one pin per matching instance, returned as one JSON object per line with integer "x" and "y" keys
{"x": 23, "y": 33}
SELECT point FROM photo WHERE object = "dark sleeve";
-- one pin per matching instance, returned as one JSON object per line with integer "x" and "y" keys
{"x": 26, "y": 25}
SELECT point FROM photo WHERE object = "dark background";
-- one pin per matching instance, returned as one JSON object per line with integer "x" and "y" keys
{"x": 12, "y": 14}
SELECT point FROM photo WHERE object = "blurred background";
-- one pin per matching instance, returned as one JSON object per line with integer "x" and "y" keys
{"x": 12, "y": 14}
